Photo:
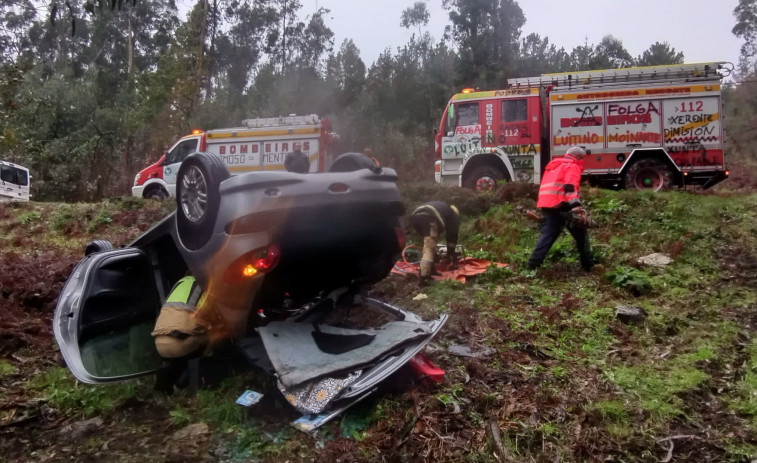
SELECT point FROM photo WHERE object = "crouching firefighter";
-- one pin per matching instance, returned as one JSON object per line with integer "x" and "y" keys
{"x": 429, "y": 220}
{"x": 559, "y": 202}
{"x": 179, "y": 336}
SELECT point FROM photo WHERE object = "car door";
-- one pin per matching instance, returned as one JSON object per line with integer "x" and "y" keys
{"x": 105, "y": 314}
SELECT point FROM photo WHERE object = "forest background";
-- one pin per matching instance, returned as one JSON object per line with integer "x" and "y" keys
{"x": 92, "y": 91}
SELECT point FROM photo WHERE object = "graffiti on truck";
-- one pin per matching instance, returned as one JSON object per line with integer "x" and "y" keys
{"x": 695, "y": 155}
{"x": 586, "y": 118}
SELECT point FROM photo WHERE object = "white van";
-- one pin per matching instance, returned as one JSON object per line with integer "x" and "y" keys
{"x": 14, "y": 182}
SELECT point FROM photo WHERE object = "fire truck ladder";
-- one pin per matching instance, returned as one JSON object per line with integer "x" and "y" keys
{"x": 648, "y": 74}
{"x": 290, "y": 120}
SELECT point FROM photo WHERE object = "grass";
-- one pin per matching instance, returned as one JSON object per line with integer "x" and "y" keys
{"x": 7, "y": 369}
{"x": 568, "y": 382}
{"x": 69, "y": 396}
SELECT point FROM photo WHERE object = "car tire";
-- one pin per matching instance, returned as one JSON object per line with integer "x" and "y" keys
{"x": 350, "y": 162}
{"x": 157, "y": 193}
{"x": 198, "y": 198}
{"x": 96, "y": 246}
{"x": 648, "y": 174}
{"x": 483, "y": 178}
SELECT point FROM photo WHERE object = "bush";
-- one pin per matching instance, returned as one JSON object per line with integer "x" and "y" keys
{"x": 634, "y": 280}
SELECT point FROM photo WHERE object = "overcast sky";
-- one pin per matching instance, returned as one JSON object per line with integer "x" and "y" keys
{"x": 701, "y": 29}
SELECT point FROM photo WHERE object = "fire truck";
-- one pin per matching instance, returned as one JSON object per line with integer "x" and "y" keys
{"x": 259, "y": 144}
{"x": 654, "y": 127}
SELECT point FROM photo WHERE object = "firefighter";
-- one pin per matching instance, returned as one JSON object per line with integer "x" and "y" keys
{"x": 179, "y": 337}
{"x": 558, "y": 194}
{"x": 297, "y": 162}
{"x": 429, "y": 220}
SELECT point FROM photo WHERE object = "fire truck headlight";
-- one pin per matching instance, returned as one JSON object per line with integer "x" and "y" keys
{"x": 136, "y": 179}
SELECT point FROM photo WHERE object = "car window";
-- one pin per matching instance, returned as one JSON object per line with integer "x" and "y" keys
{"x": 449, "y": 120}
{"x": 7, "y": 174}
{"x": 22, "y": 177}
{"x": 123, "y": 351}
{"x": 467, "y": 114}
{"x": 514, "y": 110}
{"x": 181, "y": 151}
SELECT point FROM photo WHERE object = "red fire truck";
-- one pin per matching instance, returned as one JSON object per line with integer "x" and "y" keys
{"x": 260, "y": 144}
{"x": 654, "y": 127}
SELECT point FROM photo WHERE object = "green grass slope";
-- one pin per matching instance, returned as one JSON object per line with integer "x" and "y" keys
{"x": 566, "y": 380}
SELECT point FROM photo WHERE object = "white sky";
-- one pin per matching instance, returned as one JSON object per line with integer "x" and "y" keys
{"x": 701, "y": 29}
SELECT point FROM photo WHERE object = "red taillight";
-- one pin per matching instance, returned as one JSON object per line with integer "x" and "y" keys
{"x": 338, "y": 188}
{"x": 251, "y": 264}
{"x": 401, "y": 237}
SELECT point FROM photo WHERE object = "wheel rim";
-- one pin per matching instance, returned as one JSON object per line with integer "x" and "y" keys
{"x": 485, "y": 183}
{"x": 194, "y": 194}
{"x": 649, "y": 178}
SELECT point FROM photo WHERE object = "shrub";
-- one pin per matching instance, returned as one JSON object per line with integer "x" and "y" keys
{"x": 634, "y": 280}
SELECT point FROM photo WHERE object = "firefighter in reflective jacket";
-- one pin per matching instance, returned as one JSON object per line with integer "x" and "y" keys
{"x": 178, "y": 335}
{"x": 558, "y": 194}
{"x": 430, "y": 219}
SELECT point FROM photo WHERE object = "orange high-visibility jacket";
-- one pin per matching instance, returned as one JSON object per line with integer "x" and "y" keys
{"x": 558, "y": 173}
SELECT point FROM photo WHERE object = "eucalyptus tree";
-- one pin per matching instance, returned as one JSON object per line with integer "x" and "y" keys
{"x": 487, "y": 33}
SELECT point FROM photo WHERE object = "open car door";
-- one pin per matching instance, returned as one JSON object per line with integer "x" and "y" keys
{"x": 105, "y": 314}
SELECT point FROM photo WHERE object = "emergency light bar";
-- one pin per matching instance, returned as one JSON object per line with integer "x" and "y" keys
{"x": 290, "y": 120}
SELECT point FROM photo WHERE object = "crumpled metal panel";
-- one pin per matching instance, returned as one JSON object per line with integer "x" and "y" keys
{"x": 296, "y": 357}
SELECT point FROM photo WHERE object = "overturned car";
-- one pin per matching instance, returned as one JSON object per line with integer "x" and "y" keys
{"x": 276, "y": 259}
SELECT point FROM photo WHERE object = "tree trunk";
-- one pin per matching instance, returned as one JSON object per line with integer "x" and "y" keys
{"x": 130, "y": 47}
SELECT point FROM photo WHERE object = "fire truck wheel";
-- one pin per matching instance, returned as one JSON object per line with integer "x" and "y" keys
{"x": 649, "y": 174}
{"x": 197, "y": 198}
{"x": 483, "y": 178}
{"x": 97, "y": 246}
{"x": 158, "y": 193}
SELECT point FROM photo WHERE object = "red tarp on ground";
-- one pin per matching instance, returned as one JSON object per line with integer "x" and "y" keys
{"x": 465, "y": 268}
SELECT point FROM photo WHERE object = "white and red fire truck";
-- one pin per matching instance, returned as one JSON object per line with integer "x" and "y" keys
{"x": 650, "y": 127}
{"x": 260, "y": 144}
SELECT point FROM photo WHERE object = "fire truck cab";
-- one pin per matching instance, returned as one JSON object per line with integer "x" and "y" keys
{"x": 259, "y": 144}
{"x": 652, "y": 127}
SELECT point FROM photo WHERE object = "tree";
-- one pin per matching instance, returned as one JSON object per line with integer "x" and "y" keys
{"x": 610, "y": 54}
{"x": 346, "y": 72}
{"x": 537, "y": 56}
{"x": 659, "y": 54}
{"x": 746, "y": 29}
{"x": 487, "y": 33}
{"x": 581, "y": 57}
{"x": 415, "y": 16}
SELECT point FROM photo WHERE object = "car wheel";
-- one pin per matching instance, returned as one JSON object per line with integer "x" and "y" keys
{"x": 158, "y": 193}
{"x": 350, "y": 162}
{"x": 649, "y": 174}
{"x": 197, "y": 198}
{"x": 483, "y": 178}
{"x": 97, "y": 246}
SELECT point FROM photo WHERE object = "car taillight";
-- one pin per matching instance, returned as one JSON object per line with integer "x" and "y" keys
{"x": 251, "y": 264}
